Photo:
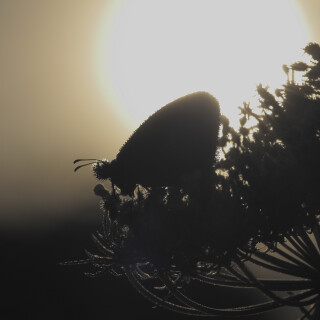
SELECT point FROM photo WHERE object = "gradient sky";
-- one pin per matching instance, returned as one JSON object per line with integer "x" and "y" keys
{"x": 53, "y": 108}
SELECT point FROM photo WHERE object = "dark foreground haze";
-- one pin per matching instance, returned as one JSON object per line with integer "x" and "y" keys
{"x": 36, "y": 287}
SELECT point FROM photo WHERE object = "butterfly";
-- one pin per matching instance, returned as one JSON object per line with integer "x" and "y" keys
{"x": 174, "y": 146}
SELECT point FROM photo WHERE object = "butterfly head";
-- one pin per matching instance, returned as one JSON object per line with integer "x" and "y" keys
{"x": 102, "y": 169}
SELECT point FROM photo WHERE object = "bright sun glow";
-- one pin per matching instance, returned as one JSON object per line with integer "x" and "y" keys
{"x": 152, "y": 52}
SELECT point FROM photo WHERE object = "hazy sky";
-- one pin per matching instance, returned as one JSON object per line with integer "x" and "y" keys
{"x": 54, "y": 107}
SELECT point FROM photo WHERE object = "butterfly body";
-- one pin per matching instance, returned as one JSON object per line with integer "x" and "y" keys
{"x": 175, "y": 145}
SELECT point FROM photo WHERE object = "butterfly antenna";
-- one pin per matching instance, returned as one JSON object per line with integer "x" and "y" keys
{"x": 87, "y": 164}
{"x": 83, "y": 165}
{"x": 78, "y": 160}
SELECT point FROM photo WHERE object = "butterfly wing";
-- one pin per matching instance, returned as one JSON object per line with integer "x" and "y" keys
{"x": 175, "y": 142}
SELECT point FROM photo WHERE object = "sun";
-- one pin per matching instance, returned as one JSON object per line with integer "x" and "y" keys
{"x": 152, "y": 52}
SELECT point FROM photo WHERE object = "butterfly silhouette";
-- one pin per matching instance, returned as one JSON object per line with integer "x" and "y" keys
{"x": 174, "y": 146}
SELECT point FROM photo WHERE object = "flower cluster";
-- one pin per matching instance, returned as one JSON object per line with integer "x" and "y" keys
{"x": 264, "y": 190}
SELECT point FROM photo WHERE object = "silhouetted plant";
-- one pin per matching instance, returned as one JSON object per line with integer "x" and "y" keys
{"x": 262, "y": 192}
{"x": 273, "y": 165}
